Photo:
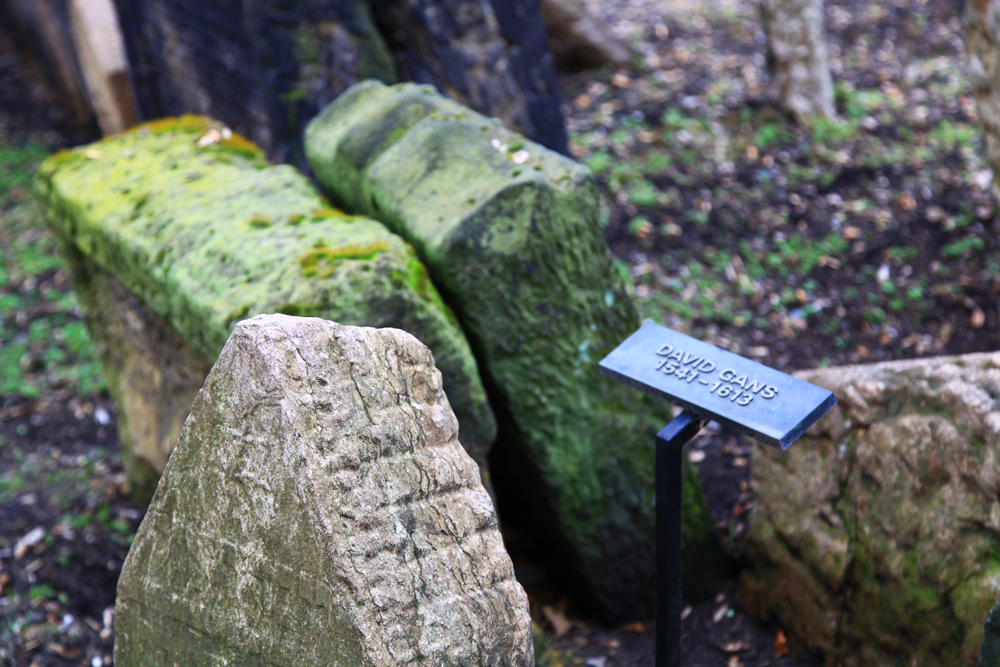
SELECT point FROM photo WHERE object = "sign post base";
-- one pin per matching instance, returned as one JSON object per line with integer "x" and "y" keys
{"x": 669, "y": 449}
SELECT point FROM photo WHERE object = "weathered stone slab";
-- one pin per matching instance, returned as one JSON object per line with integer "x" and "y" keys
{"x": 509, "y": 232}
{"x": 982, "y": 48}
{"x": 174, "y": 233}
{"x": 492, "y": 56}
{"x": 264, "y": 67}
{"x": 875, "y": 537}
{"x": 100, "y": 50}
{"x": 320, "y": 510}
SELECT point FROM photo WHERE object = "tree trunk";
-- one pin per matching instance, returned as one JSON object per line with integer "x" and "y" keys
{"x": 982, "y": 45}
{"x": 796, "y": 54}
{"x": 491, "y": 55}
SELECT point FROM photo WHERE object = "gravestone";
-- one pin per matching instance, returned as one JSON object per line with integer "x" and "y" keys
{"x": 509, "y": 231}
{"x": 100, "y": 51}
{"x": 175, "y": 231}
{"x": 874, "y": 540}
{"x": 319, "y": 510}
{"x": 266, "y": 67}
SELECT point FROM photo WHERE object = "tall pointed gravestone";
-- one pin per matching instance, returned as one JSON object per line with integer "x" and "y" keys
{"x": 319, "y": 509}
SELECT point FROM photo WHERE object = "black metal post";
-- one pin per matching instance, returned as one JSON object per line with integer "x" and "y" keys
{"x": 669, "y": 449}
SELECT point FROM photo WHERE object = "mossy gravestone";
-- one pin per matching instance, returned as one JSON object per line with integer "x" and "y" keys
{"x": 875, "y": 538}
{"x": 319, "y": 510}
{"x": 179, "y": 229}
{"x": 509, "y": 232}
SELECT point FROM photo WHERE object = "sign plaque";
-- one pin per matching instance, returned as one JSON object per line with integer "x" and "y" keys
{"x": 767, "y": 405}
{"x": 711, "y": 385}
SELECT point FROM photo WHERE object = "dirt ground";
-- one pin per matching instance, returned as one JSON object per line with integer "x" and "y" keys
{"x": 864, "y": 239}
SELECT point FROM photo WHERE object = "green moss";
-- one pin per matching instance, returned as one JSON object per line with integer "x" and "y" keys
{"x": 324, "y": 213}
{"x": 323, "y": 261}
{"x": 185, "y": 249}
{"x": 517, "y": 252}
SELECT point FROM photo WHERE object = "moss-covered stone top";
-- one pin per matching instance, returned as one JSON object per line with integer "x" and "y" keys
{"x": 370, "y": 118}
{"x": 195, "y": 222}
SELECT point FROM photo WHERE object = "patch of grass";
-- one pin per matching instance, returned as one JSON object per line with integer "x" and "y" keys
{"x": 772, "y": 133}
{"x": 41, "y": 593}
{"x": 599, "y": 162}
{"x": 950, "y": 135}
{"x": 17, "y": 168}
{"x": 961, "y": 247}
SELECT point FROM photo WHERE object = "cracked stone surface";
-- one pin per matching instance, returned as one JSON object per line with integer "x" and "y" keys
{"x": 875, "y": 536}
{"x": 319, "y": 509}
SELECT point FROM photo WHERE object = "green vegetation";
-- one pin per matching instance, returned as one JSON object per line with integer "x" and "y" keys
{"x": 54, "y": 352}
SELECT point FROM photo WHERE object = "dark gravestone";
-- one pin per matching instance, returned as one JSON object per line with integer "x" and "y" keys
{"x": 491, "y": 56}
{"x": 264, "y": 67}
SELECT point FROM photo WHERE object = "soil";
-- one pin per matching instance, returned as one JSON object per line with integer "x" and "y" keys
{"x": 885, "y": 292}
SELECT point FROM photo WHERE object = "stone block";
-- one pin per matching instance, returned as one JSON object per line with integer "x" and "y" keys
{"x": 178, "y": 229}
{"x": 509, "y": 232}
{"x": 100, "y": 50}
{"x": 874, "y": 538}
{"x": 319, "y": 509}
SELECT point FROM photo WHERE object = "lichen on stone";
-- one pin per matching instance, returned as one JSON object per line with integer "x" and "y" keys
{"x": 197, "y": 252}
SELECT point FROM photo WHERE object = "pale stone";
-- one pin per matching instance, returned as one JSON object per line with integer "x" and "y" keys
{"x": 100, "y": 50}
{"x": 874, "y": 537}
{"x": 982, "y": 32}
{"x": 319, "y": 509}
{"x": 797, "y": 59}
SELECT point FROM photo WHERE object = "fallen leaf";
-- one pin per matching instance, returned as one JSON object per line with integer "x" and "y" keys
{"x": 945, "y": 332}
{"x": 560, "y": 624}
{"x": 780, "y": 645}
{"x": 213, "y": 136}
{"x": 28, "y": 541}
{"x": 63, "y": 651}
{"x": 734, "y": 647}
{"x": 851, "y": 233}
{"x": 719, "y": 613}
{"x": 978, "y": 318}
{"x": 637, "y": 627}
{"x": 619, "y": 80}
{"x": 826, "y": 260}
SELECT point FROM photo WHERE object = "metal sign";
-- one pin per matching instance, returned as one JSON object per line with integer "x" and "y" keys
{"x": 768, "y": 405}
